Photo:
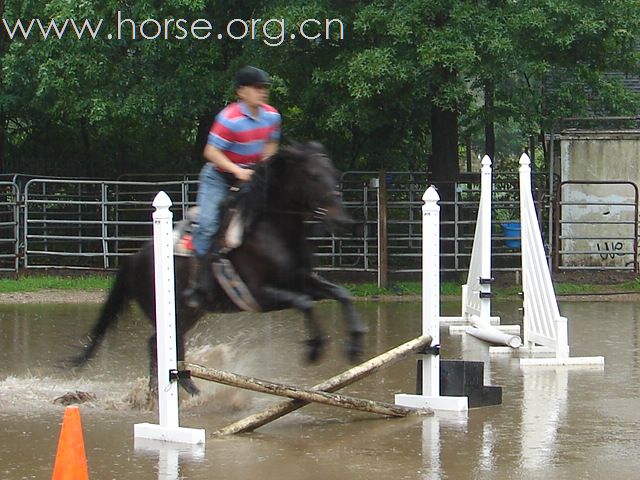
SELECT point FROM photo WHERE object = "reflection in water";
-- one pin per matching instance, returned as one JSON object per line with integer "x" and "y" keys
{"x": 544, "y": 406}
{"x": 170, "y": 455}
{"x": 435, "y": 451}
{"x": 431, "y": 448}
{"x": 487, "y": 455}
{"x": 556, "y": 424}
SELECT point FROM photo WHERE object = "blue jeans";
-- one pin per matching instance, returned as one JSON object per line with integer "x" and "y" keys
{"x": 212, "y": 191}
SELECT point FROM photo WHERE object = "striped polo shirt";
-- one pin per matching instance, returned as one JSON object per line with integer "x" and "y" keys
{"x": 241, "y": 136}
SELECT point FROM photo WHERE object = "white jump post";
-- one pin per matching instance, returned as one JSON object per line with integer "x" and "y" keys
{"x": 169, "y": 429}
{"x": 476, "y": 293}
{"x": 430, "y": 397}
{"x": 545, "y": 330}
{"x": 478, "y": 306}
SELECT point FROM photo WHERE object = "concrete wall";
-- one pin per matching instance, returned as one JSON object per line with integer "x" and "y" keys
{"x": 599, "y": 219}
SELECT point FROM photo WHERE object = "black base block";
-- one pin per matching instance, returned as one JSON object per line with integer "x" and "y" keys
{"x": 460, "y": 378}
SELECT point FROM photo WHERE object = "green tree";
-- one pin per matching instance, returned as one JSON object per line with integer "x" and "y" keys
{"x": 391, "y": 88}
{"x": 97, "y": 106}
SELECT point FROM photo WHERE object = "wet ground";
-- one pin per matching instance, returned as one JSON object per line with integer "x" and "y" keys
{"x": 554, "y": 423}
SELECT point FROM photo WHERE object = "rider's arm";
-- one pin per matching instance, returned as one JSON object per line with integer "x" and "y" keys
{"x": 222, "y": 162}
{"x": 270, "y": 149}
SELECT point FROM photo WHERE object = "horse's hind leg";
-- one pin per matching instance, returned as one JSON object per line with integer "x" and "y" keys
{"x": 273, "y": 298}
{"x": 153, "y": 368}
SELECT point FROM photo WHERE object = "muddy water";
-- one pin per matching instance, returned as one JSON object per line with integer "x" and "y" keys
{"x": 554, "y": 423}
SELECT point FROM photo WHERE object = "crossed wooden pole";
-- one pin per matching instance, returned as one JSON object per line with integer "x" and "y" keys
{"x": 320, "y": 393}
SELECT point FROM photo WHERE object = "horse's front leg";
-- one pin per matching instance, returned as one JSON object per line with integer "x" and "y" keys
{"x": 186, "y": 383}
{"x": 186, "y": 318}
{"x": 321, "y": 289}
{"x": 271, "y": 298}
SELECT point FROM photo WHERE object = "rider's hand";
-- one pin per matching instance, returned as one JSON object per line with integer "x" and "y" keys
{"x": 243, "y": 174}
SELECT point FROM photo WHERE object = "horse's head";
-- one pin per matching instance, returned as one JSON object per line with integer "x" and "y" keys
{"x": 309, "y": 183}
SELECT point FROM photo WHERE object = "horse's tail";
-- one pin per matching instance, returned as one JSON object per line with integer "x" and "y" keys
{"x": 118, "y": 299}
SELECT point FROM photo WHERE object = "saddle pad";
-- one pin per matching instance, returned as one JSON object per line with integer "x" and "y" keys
{"x": 182, "y": 246}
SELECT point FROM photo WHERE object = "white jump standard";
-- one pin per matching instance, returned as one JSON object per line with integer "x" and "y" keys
{"x": 545, "y": 330}
{"x": 169, "y": 429}
{"x": 476, "y": 293}
{"x": 430, "y": 393}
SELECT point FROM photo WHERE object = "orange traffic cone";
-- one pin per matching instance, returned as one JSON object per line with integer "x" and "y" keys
{"x": 71, "y": 460}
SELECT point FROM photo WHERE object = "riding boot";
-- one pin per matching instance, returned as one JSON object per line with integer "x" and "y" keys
{"x": 195, "y": 296}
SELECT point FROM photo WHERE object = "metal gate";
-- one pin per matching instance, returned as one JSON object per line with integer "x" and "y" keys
{"x": 597, "y": 225}
{"x": 360, "y": 250}
{"x": 91, "y": 224}
{"x": 9, "y": 221}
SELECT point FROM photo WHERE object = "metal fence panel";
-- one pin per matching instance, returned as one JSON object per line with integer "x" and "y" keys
{"x": 69, "y": 223}
{"x": 91, "y": 224}
{"x": 9, "y": 221}
{"x": 598, "y": 225}
{"x": 404, "y": 191}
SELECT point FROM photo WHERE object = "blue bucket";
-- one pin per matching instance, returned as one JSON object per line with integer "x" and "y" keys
{"x": 511, "y": 232}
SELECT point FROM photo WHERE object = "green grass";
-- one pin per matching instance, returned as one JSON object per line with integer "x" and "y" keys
{"x": 454, "y": 289}
{"x": 100, "y": 283}
{"x": 35, "y": 283}
{"x": 397, "y": 289}
{"x": 578, "y": 289}
{"x": 631, "y": 285}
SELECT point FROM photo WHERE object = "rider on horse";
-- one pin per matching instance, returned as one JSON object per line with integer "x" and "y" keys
{"x": 243, "y": 134}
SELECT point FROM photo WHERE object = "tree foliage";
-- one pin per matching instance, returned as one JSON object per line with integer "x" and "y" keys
{"x": 376, "y": 90}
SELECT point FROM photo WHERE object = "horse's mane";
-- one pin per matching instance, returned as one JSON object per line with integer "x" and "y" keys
{"x": 251, "y": 200}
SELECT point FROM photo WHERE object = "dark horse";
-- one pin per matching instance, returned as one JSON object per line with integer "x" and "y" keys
{"x": 273, "y": 260}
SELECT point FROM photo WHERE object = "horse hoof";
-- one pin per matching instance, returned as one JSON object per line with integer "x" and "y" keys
{"x": 353, "y": 353}
{"x": 314, "y": 349}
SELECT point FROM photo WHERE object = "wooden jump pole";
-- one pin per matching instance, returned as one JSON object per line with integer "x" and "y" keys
{"x": 291, "y": 391}
{"x": 333, "y": 384}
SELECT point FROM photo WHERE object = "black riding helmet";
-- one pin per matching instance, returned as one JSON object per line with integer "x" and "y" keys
{"x": 249, "y": 76}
